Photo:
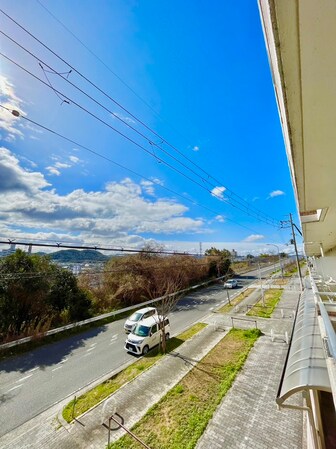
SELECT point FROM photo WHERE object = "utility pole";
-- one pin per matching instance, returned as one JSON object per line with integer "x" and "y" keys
{"x": 261, "y": 286}
{"x": 296, "y": 252}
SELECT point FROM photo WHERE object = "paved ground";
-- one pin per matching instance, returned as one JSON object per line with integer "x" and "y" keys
{"x": 246, "y": 418}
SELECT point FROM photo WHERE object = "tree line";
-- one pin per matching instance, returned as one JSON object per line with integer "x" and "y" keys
{"x": 36, "y": 294}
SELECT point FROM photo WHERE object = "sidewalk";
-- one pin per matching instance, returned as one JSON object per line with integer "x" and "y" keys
{"x": 148, "y": 388}
{"x": 246, "y": 418}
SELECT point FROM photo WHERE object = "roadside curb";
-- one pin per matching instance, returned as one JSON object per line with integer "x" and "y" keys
{"x": 108, "y": 376}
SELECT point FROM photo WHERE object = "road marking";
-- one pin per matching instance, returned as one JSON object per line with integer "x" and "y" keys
{"x": 211, "y": 308}
{"x": 57, "y": 367}
{"x": 24, "y": 378}
{"x": 33, "y": 369}
{"x": 90, "y": 349}
{"x": 14, "y": 388}
{"x": 114, "y": 337}
{"x": 65, "y": 359}
{"x": 93, "y": 345}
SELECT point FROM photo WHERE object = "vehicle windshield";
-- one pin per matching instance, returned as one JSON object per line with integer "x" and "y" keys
{"x": 229, "y": 282}
{"x": 141, "y": 331}
{"x": 135, "y": 317}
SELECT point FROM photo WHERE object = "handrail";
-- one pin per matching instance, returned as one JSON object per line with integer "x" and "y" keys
{"x": 331, "y": 336}
{"x": 329, "y": 330}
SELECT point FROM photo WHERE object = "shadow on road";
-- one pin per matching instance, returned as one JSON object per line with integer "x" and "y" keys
{"x": 49, "y": 354}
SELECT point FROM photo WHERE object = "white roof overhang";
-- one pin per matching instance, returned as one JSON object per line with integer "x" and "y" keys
{"x": 300, "y": 38}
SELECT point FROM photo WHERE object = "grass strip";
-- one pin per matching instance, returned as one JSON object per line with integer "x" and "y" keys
{"x": 234, "y": 302}
{"x": 102, "y": 391}
{"x": 271, "y": 299}
{"x": 179, "y": 419}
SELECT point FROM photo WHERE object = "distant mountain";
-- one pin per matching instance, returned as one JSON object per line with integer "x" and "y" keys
{"x": 78, "y": 256}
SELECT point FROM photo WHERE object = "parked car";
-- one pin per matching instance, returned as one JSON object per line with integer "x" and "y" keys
{"x": 147, "y": 334}
{"x": 231, "y": 283}
{"x": 139, "y": 315}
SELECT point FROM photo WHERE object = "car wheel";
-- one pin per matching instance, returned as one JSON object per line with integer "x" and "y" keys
{"x": 145, "y": 350}
{"x": 167, "y": 337}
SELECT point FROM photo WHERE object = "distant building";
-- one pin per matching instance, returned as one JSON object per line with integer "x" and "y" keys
{"x": 234, "y": 254}
{"x": 8, "y": 252}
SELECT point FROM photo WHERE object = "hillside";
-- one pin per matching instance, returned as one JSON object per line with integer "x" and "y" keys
{"x": 78, "y": 256}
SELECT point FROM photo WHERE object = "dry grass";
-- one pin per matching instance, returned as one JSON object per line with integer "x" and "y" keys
{"x": 178, "y": 420}
{"x": 234, "y": 302}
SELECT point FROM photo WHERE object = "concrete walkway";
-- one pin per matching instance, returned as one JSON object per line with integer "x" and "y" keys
{"x": 246, "y": 418}
{"x": 148, "y": 388}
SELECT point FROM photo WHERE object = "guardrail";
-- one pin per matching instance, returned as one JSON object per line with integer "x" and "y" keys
{"x": 243, "y": 319}
{"x": 57, "y": 330}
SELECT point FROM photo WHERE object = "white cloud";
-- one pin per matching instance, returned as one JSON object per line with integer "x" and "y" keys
{"x": 14, "y": 178}
{"x": 276, "y": 193}
{"x": 148, "y": 187}
{"x": 8, "y": 122}
{"x": 254, "y": 238}
{"x": 125, "y": 118}
{"x": 196, "y": 148}
{"x": 74, "y": 159}
{"x": 62, "y": 165}
{"x": 53, "y": 171}
{"x": 116, "y": 212}
{"x": 220, "y": 218}
{"x": 218, "y": 192}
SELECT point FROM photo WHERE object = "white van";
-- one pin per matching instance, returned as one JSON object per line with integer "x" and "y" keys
{"x": 137, "y": 316}
{"x": 147, "y": 334}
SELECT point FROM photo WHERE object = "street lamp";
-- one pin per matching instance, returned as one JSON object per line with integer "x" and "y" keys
{"x": 272, "y": 244}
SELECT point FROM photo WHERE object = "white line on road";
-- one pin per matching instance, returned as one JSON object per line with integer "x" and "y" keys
{"x": 211, "y": 308}
{"x": 57, "y": 367}
{"x": 14, "y": 388}
{"x": 24, "y": 378}
{"x": 33, "y": 369}
{"x": 90, "y": 349}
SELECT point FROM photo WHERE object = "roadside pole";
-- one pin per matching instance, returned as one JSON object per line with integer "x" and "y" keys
{"x": 261, "y": 286}
{"x": 296, "y": 252}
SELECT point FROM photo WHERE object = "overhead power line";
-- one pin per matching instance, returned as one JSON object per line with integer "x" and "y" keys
{"x": 216, "y": 213}
{"x": 52, "y": 70}
{"x": 137, "y": 144}
{"x": 110, "y": 70}
{"x": 99, "y": 248}
{"x": 248, "y": 209}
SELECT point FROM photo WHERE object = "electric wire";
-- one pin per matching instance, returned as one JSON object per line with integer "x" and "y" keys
{"x": 128, "y": 138}
{"x": 110, "y": 70}
{"x": 227, "y": 190}
{"x": 126, "y": 168}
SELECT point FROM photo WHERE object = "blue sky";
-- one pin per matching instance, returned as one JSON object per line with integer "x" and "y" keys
{"x": 196, "y": 75}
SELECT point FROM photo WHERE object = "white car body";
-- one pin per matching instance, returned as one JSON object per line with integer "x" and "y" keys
{"x": 231, "y": 283}
{"x": 147, "y": 334}
{"x": 137, "y": 316}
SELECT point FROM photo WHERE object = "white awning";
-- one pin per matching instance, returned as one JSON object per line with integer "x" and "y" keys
{"x": 305, "y": 367}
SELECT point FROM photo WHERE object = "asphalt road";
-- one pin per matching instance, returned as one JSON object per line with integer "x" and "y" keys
{"x": 32, "y": 382}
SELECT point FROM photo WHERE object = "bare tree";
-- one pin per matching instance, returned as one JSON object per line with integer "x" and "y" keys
{"x": 166, "y": 305}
